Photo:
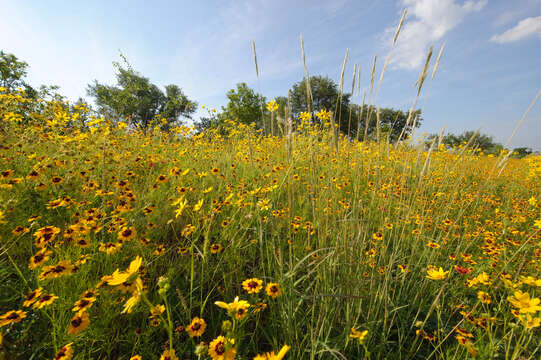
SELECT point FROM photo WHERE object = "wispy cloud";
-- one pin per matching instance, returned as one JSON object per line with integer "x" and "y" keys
{"x": 530, "y": 26}
{"x": 432, "y": 19}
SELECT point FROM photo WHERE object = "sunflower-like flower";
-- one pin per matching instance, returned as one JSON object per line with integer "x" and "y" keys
{"x": 438, "y": 274}
{"x": 12, "y": 317}
{"x": 65, "y": 353}
{"x": 196, "y": 327}
{"x": 252, "y": 286}
{"x": 272, "y": 355}
{"x": 78, "y": 323}
{"x": 273, "y": 290}
{"x": 131, "y": 272}
{"x": 222, "y": 348}
{"x": 524, "y": 303}
{"x": 32, "y": 297}
{"x": 237, "y": 309}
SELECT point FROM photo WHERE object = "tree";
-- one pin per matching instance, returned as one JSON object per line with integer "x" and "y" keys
{"x": 244, "y": 106}
{"x": 139, "y": 101}
{"x": 480, "y": 141}
{"x": 324, "y": 96}
{"x": 12, "y": 71}
{"x": 521, "y": 152}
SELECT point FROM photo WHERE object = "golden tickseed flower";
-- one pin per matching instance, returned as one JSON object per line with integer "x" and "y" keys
{"x": 12, "y": 317}
{"x": 168, "y": 355}
{"x": 136, "y": 357}
{"x": 196, "y": 327}
{"x": 44, "y": 300}
{"x": 65, "y": 353}
{"x": 110, "y": 247}
{"x": 56, "y": 180}
{"x": 530, "y": 322}
{"x": 32, "y": 297}
{"x": 221, "y": 349}
{"x": 433, "y": 245}
{"x": 126, "y": 233}
{"x": 238, "y": 308}
{"x": 64, "y": 267}
{"x": 83, "y": 304}
{"x": 484, "y": 297}
{"x": 272, "y": 355}
{"x": 252, "y": 286}
{"x": 216, "y": 248}
{"x": 273, "y": 290}
{"x": 78, "y": 323}
{"x": 272, "y": 106}
{"x": 39, "y": 258}
{"x": 530, "y": 280}
{"x": 120, "y": 277}
{"x": 377, "y": 236}
{"x": 524, "y": 303}
{"x": 434, "y": 274}
{"x": 20, "y": 230}
{"x": 359, "y": 335}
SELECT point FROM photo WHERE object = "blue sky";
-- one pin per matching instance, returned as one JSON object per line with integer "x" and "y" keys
{"x": 489, "y": 73}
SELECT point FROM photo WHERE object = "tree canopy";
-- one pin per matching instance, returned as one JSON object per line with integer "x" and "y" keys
{"x": 137, "y": 100}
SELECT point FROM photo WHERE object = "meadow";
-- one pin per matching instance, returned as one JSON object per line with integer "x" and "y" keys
{"x": 126, "y": 243}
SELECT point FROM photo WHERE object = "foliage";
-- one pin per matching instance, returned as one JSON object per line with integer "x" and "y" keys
{"x": 140, "y": 102}
{"x": 244, "y": 106}
{"x": 476, "y": 140}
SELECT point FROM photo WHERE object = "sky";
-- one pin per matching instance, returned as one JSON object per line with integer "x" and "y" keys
{"x": 489, "y": 72}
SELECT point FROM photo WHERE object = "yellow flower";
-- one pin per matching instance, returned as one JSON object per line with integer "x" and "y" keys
{"x": 252, "y": 286}
{"x": 524, "y": 303}
{"x": 532, "y": 201}
{"x": 530, "y": 322}
{"x": 530, "y": 280}
{"x": 11, "y": 317}
{"x": 434, "y": 274}
{"x": 198, "y": 206}
{"x": 323, "y": 115}
{"x": 65, "y": 353}
{"x": 484, "y": 297}
{"x": 359, "y": 335}
{"x": 197, "y": 327}
{"x": 221, "y": 349}
{"x": 78, "y": 323}
{"x": 235, "y": 309}
{"x": 120, "y": 277}
{"x": 169, "y": 355}
{"x": 537, "y": 223}
{"x": 272, "y": 106}
{"x": 44, "y": 300}
{"x": 273, "y": 290}
{"x": 272, "y": 355}
{"x": 305, "y": 116}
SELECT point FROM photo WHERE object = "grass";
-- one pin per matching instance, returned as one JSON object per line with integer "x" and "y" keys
{"x": 348, "y": 230}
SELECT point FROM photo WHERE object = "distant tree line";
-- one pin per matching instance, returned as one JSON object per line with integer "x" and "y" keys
{"x": 139, "y": 102}
{"x": 245, "y": 106}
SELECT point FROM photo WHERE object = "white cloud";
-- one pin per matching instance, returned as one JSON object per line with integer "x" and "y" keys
{"x": 432, "y": 19}
{"x": 526, "y": 27}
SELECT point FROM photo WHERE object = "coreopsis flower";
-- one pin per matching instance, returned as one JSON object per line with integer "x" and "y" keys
{"x": 273, "y": 290}
{"x": 222, "y": 348}
{"x": 215, "y": 248}
{"x": 65, "y": 353}
{"x": 530, "y": 280}
{"x": 252, "y": 286}
{"x": 78, "y": 323}
{"x": 359, "y": 335}
{"x": 237, "y": 308}
{"x": 39, "y": 258}
{"x": 12, "y": 317}
{"x": 83, "y": 304}
{"x": 32, "y": 297}
{"x": 529, "y": 321}
{"x": 64, "y": 267}
{"x": 126, "y": 233}
{"x": 44, "y": 300}
{"x": 323, "y": 115}
{"x": 272, "y": 106}
{"x": 305, "y": 116}
{"x": 484, "y": 297}
{"x": 537, "y": 223}
{"x": 434, "y": 274}
{"x": 120, "y": 277}
{"x": 196, "y": 327}
{"x": 168, "y": 355}
{"x": 272, "y": 355}
{"x": 524, "y": 303}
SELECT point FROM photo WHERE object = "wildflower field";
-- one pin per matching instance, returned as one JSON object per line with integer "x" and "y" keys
{"x": 119, "y": 243}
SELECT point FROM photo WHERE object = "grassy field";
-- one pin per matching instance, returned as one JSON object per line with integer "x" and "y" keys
{"x": 121, "y": 244}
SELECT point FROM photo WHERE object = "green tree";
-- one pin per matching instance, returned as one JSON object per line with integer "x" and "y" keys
{"x": 12, "y": 71}
{"x": 479, "y": 141}
{"x": 139, "y": 101}
{"x": 521, "y": 152}
{"x": 244, "y": 106}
